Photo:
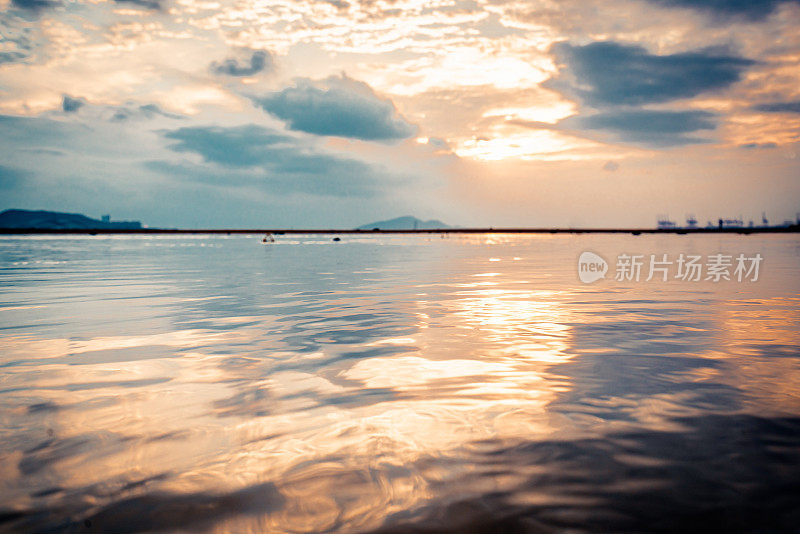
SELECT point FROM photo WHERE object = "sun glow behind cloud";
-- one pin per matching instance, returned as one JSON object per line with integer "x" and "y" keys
{"x": 541, "y": 144}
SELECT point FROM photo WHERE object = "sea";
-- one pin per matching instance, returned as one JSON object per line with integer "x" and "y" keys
{"x": 386, "y": 383}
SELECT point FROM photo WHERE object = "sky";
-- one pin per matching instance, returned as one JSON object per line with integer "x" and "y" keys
{"x": 336, "y": 113}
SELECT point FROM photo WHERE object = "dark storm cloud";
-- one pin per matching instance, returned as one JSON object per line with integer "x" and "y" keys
{"x": 259, "y": 61}
{"x": 252, "y": 155}
{"x": 752, "y": 10}
{"x": 609, "y": 73}
{"x": 779, "y": 107}
{"x": 339, "y": 107}
{"x": 71, "y": 105}
{"x": 652, "y": 128}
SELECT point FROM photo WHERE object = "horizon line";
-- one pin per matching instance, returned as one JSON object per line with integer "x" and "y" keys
{"x": 794, "y": 228}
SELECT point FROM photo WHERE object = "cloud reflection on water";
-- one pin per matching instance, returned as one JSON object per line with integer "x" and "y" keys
{"x": 383, "y": 383}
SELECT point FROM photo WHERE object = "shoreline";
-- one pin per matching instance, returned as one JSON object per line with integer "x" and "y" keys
{"x": 279, "y": 231}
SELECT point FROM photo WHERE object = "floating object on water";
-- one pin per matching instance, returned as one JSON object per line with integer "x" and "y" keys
{"x": 268, "y": 239}
{"x": 336, "y": 239}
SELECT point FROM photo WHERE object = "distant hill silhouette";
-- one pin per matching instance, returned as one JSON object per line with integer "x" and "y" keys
{"x": 405, "y": 223}
{"x": 56, "y": 220}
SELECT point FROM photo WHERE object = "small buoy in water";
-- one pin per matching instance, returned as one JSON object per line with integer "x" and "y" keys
{"x": 268, "y": 239}
{"x": 336, "y": 239}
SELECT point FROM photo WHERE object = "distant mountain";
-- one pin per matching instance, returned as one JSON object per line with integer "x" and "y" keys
{"x": 405, "y": 223}
{"x": 52, "y": 220}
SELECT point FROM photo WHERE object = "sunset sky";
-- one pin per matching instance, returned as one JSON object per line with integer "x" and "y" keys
{"x": 335, "y": 113}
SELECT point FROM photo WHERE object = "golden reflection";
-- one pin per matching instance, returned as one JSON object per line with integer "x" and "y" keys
{"x": 378, "y": 420}
{"x": 475, "y": 368}
{"x": 527, "y": 324}
{"x": 29, "y": 347}
{"x": 760, "y": 352}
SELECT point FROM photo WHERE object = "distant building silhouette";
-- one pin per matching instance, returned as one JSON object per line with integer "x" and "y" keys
{"x": 732, "y": 223}
{"x": 665, "y": 224}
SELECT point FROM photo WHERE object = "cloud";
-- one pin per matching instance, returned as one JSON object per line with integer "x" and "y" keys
{"x": 609, "y": 73}
{"x": 259, "y": 61}
{"x": 62, "y": 163}
{"x": 146, "y": 111}
{"x": 257, "y": 156}
{"x": 340, "y": 107}
{"x": 652, "y": 128}
{"x": 149, "y": 4}
{"x": 17, "y": 38}
{"x": 150, "y": 110}
{"x": 611, "y": 166}
{"x": 242, "y": 146}
{"x": 71, "y": 105}
{"x": 622, "y": 81}
{"x": 752, "y": 10}
{"x": 758, "y": 146}
{"x": 35, "y": 132}
{"x": 338, "y": 4}
{"x": 779, "y": 107}
{"x": 10, "y": 57}
{"x": 34, "y": 5}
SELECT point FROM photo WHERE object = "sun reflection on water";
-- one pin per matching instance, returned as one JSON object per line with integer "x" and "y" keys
{"x": 280, "y": 399}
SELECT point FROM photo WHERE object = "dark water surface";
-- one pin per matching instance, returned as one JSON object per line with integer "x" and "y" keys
{"x": 394, "y": 384}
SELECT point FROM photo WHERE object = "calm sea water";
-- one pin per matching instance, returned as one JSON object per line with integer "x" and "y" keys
{"x": 394, "y": 384}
